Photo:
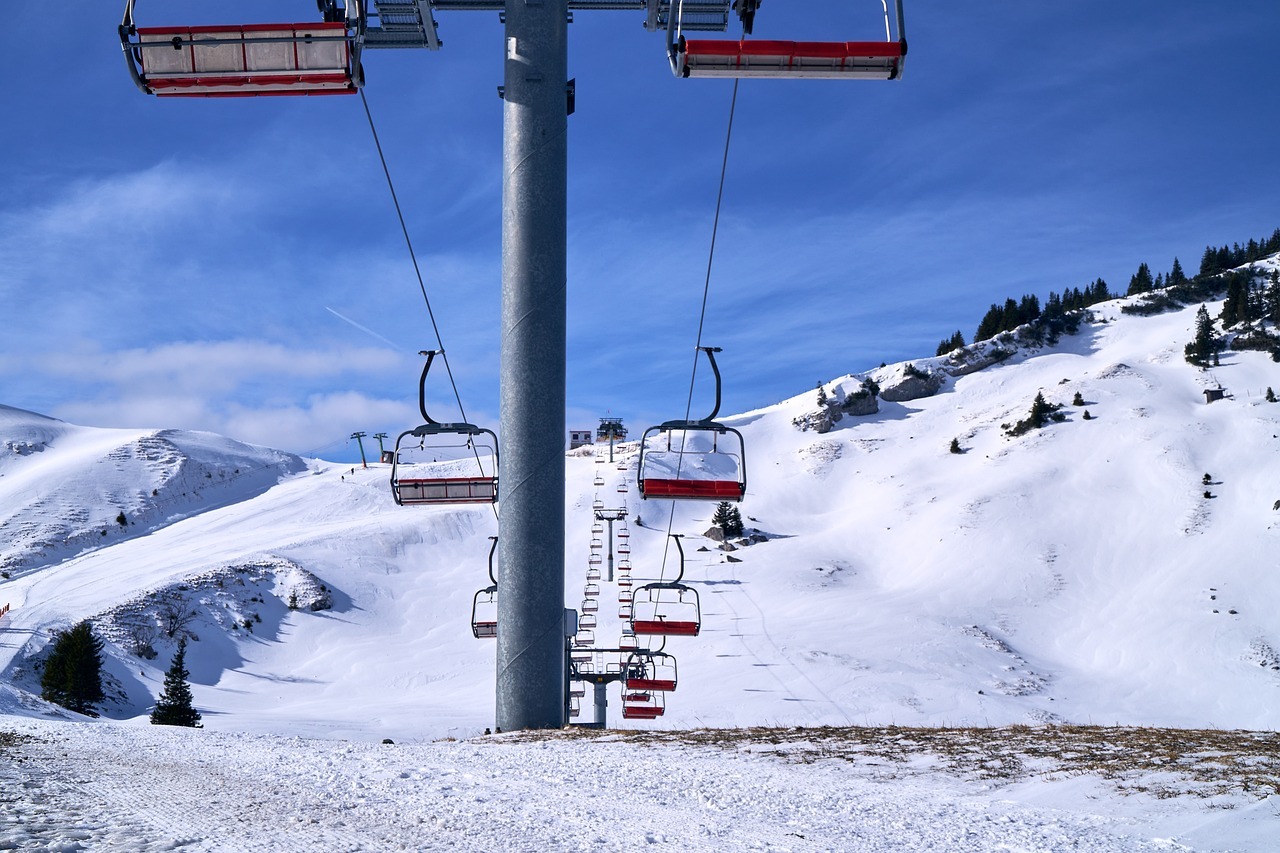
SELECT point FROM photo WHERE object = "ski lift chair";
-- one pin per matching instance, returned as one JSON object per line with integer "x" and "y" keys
{"x": 418, "y": 476}
{"x": 244, "y": 60}
{"x": 642, "y": 705}
{"x": 847, "y": 60}
{"x": 667, "y": 608}
{"x": 484, "y": 607}
{"x": 684, "y": 468}
{"x": 590, "y": 605}
{"x": 650, "y": 670}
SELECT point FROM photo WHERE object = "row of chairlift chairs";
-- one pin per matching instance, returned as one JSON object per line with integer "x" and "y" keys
{"x": 324, "y": 57}
{"x": 457, "y": 463}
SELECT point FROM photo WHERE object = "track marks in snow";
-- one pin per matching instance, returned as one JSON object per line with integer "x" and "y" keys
{"x": 1015, "y": 677}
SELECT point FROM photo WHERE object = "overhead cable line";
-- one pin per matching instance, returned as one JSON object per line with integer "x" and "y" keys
{"x": 412, "y": 255}
{"x": 435, "y": 327}
{"x": 702, "y": 314}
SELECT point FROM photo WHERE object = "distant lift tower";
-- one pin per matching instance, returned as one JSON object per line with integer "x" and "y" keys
{"x": 611, "y": 430}
{"x": 325, "y": 58}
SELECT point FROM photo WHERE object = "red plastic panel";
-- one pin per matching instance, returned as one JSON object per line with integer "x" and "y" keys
{"x": 848, "y": 59}
{"x": 792, "y": 49}
{"x": 660, "y": 684}
{"x": 716, "y": 490}
{"x": 665, "y": 627}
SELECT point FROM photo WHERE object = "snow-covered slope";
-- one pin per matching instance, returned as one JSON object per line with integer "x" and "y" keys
{"x": 1076, "y": 573}
{"x": 66, "y": 489}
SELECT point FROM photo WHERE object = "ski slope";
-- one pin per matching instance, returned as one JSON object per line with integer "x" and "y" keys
{"x": 1076, "y": 574}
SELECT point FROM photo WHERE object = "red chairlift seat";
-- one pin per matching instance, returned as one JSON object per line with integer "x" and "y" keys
{"x": 582, "y": 656}
{"x": 624, "y": 595}
{"x": 593, "y": 573}
{"x": 597, "y": 528}
{"x": 628, "y": 641}
{"x": 661, "y": 627}
{"x": 866, "y": 60}
{"x": 848, "y": 60}
{"x": 642, "y": 706}
{"x": 696, "y": 490}
{"x": 245, "y": 60}
{"x": 591, "y": 590}
{"x": 623, "y": 548}
{"x": 595, "y": 560}
{"x": 585, "y": 638}
{"x": 597, "y": 545}
{"x": 590, "y": 605}
{"x": 586, "y": 620}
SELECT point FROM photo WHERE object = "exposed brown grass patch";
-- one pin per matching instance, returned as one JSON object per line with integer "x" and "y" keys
{"x": 1156, "y": 761}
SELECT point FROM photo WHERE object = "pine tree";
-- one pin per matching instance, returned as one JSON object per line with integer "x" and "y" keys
{"x": 1078, "y": 399}
{"x": 1271, "y": 298}
{"x": 174, "y": 707}
{"x": 1141, "y": 281}
{"x": 73, "y": 671}
{"x": 1271, "y": 395}
{"x": 1236, "y": 307}
{"x": 722, "y": 517}
{"x": 822, "y": 396}
{"x": 1205, "y": 344}
{"x": 1040, "y": 411}
{"x": 1176, "y": 275}
{"x": 735, "y": 522}
{"x": 955, "y": 446}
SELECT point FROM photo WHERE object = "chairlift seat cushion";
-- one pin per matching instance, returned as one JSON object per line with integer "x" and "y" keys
{"x": 706, "y": 490}
{"x": 665, "y": 685}
{"x": 665, "y": 627}
{"x": 874, "y": 60}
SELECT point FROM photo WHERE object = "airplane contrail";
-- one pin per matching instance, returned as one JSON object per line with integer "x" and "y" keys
{"x": 364, "y": 329}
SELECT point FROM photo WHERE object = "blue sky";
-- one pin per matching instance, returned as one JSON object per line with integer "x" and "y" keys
{"x": 189, "y": 263}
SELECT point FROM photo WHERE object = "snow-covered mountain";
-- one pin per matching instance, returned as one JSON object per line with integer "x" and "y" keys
{"x": 1114, "y": 569}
